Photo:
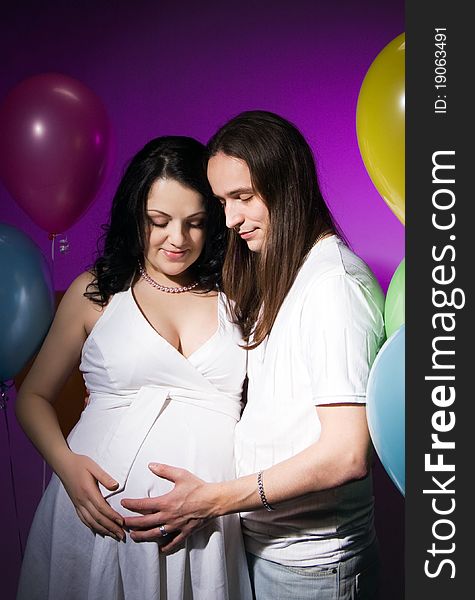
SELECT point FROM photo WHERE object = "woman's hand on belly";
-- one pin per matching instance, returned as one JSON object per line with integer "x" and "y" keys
{"x": 80, "y": 475}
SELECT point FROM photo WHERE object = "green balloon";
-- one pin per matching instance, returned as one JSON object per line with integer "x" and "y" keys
{"x": 394, "y": 308}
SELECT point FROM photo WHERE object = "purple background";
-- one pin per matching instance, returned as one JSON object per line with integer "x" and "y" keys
{"x": 177, "y": 68}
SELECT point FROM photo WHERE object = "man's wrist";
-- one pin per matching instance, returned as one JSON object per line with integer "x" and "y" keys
{"x": 221, "y": 501}
{"x": 236, "y": 495}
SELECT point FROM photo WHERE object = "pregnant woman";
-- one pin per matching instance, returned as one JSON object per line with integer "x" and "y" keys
{"x": 164, "y": 370}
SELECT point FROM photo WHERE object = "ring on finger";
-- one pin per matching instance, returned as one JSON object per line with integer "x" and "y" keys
{"x": 162, "y": 530}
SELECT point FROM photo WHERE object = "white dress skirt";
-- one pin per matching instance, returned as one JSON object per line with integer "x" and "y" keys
{"x": 148, "y": 403}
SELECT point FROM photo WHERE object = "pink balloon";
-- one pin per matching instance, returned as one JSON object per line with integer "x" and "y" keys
{"x": 54, "y": 144}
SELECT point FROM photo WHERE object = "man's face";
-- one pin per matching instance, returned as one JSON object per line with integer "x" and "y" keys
{"x": 245, "y": 210}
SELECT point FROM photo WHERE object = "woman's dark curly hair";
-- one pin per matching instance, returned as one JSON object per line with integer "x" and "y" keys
{"x": 182, "y": 159}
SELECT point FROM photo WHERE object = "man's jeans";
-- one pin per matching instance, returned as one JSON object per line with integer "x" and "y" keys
{"x": 352, "y": 579}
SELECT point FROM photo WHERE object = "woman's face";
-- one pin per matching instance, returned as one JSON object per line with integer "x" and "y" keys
{"x": 176, "y": 219}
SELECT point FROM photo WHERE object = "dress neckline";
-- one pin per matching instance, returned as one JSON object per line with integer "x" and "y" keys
{"x": 161, "y": 338}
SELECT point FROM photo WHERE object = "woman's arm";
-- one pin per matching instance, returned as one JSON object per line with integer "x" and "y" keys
{"x": 55, "y": 361}
{"x": 341, "y": 454}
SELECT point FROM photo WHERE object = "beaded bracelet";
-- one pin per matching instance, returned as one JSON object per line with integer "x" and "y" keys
{"x": 260, "y": 487}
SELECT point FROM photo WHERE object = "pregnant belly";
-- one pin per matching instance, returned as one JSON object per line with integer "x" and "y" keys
{"x": 183, "y": 435}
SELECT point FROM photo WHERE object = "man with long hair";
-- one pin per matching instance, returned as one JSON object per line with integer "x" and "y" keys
{"x": 311, "y": 312}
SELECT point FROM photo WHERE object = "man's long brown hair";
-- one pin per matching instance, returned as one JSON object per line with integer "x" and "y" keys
{"x": 283, "y": 173}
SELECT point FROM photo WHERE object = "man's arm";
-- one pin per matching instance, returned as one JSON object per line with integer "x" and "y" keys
{"x": 341, "y": 454}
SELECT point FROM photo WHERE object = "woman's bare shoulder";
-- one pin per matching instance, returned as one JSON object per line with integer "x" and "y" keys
{"x": 74, "y": 301}
{"x": 82, "y": 281}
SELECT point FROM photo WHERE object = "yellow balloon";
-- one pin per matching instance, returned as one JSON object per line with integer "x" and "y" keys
{"x": 380, "y": 119}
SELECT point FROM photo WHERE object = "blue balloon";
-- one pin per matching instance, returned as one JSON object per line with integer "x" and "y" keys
{"x": 26, "y": 300}
{"x": 386, "y": 406}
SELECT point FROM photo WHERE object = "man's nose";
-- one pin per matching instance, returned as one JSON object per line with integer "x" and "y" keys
{"x": 233, "y": 212}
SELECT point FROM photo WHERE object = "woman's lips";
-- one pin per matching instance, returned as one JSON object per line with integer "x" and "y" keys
{"x": 174, "y": 254}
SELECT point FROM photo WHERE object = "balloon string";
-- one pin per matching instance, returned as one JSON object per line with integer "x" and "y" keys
{"x": 53, "y": 237}
{"x": 43, "y": 486}
{"x": 3, "y": 406}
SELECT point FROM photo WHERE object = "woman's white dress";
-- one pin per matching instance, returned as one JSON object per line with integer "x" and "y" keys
{"x": 148, "y": 403}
